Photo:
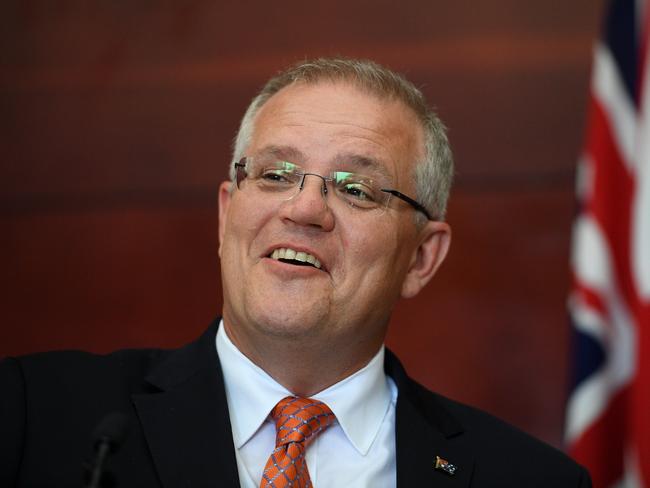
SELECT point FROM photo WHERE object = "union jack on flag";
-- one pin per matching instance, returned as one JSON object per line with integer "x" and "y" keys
{"x": 608, "y": 413}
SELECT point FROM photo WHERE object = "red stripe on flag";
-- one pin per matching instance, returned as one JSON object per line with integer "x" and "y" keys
{"x": 611, "y": 199}
{"x": 589, "y": 297}
{"x": 600, "y": 448}
{"x": 640, "y": 418}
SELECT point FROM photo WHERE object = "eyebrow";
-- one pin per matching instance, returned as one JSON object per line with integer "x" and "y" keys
{"x": 365, "y": 163}
{"x": 283, "y": 152}
{"x": 354, "y": 161}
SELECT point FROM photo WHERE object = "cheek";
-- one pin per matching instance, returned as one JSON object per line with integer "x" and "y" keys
{"x": 371, "y": 251}
{"x": 235, "y": 244}
{"x": 244, "y": 222}
{"x": 373, "y": 275}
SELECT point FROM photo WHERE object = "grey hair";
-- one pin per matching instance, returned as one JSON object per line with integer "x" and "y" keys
{"x": 433, "y": 175}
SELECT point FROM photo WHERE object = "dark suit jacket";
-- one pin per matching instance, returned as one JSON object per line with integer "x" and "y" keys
{"x": 180, "y": 432}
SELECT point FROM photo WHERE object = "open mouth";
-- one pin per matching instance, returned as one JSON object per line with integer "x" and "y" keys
{"x": 297, "y": 258}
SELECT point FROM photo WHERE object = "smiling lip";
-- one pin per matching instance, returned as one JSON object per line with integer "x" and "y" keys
{"x": 291, "y": 255}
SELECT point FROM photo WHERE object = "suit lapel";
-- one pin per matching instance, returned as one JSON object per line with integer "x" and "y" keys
{"x": 186, "y": 422}
{"x": 424, "y": 429}
{"x": 187, "y": 426}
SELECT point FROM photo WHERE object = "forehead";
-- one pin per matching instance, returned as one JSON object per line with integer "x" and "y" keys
{"x": 324, "y": 121}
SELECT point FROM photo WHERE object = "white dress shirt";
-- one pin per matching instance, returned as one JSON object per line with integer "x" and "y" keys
{"x": 358, "y": 450}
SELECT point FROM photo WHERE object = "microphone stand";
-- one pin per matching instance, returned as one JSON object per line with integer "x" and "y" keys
{"x": 97, "y": 470}
{"x": 109, "y": 436}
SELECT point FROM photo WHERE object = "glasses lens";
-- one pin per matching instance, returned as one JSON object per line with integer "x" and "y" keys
{"x": 274, "y": 176}
{"x": 358, "y": 190}
{"x": 284, "y": 178}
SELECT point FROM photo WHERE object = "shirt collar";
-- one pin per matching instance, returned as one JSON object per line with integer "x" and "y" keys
{"x": 360, "y": 401}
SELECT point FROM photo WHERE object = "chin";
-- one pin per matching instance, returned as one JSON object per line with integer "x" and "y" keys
{"x": 290, "y": 320}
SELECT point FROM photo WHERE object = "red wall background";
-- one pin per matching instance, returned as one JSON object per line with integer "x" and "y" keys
{"x": 116, "y": 120}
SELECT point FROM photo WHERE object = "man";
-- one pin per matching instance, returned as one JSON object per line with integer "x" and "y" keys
{"x": 334, "y": 211}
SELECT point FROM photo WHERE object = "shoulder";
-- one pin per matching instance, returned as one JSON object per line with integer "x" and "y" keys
{"x": 126, "y": 369}
{"x": 500, "y": 454}
{"x": 56, "y": 399}
{"x": 61, "y": 368}
{"x": 53, "y": 401}
{"x": 504, "y": 452}
{"x": 65, "y": 381}
{"x": 501, "y": 437}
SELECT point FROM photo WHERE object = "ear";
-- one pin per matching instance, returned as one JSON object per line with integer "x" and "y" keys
{"x": 435, "y": 238}
{"x": 225, "y": 194}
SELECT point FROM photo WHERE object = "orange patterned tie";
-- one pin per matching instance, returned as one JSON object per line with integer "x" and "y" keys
{"x": 297, "y": 422}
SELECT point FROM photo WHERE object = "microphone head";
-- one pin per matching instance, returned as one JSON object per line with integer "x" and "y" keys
{"x": 112, "y": 430}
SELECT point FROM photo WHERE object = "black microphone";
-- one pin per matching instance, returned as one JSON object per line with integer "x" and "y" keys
{"x": 108, "y": 436}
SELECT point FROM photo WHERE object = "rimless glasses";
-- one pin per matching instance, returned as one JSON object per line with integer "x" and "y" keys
{"x": 288, "y": 179}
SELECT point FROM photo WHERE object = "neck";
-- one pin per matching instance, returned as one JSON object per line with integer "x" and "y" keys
{"x": 304, "y": 365}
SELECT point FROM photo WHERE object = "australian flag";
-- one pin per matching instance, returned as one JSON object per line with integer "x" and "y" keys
{"x": 608, "y": 413}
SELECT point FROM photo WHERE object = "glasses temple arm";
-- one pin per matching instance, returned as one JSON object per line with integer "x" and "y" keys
{"x": 410, "y": 201}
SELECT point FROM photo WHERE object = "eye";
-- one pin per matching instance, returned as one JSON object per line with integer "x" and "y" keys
{"x": 358, "y": 191}
{"x": 277, "y": 175}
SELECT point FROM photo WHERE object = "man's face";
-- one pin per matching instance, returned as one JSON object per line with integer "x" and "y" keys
{"x": 367, "y": 257}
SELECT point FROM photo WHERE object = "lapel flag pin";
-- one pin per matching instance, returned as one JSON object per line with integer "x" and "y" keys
{"x": 446, "y": 466}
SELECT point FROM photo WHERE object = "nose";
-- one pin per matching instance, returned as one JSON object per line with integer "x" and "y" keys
{"x": 309, "y": 205}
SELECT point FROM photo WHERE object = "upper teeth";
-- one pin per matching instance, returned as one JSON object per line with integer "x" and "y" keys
{"x": 286, "y": 253}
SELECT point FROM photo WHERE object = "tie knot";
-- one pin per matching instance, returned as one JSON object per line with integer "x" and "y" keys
{"x": 300, "y": 419}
